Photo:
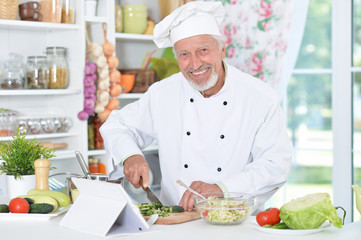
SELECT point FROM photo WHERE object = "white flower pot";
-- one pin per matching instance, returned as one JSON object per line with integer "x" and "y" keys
{"x": 18, "y": 187}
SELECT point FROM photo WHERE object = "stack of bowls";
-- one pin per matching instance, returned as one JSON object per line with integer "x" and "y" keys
{"x": 29, "y": 11}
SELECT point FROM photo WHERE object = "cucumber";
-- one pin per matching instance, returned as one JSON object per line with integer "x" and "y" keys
{"x": 4, "y": 208}
{"x": 62, "y": 199}
{"x": 176, "y": 209}
{"x": 41, "y": 208}
{"x": 42, "y": 199}
{"x": 30, "y": 201}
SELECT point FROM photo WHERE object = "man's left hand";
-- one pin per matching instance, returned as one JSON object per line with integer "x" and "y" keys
{"x": 201, "y": 187}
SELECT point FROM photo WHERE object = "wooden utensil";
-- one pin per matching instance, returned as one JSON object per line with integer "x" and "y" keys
{"x": 54, "y": 145}
{"x": 175, "y": 218}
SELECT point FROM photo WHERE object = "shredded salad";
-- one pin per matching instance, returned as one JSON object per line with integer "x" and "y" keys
{"x": 222, "y": 211}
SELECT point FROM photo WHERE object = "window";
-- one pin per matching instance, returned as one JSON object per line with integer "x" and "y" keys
{"x": 313, "y": 99}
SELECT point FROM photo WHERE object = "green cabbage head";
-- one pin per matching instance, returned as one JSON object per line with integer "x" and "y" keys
{"x": 310, "y": 212}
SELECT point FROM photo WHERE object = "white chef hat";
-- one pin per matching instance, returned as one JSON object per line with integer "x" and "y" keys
{"x": 191, "y": 19}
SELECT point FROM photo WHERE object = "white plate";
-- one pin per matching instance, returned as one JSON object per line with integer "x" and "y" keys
{"x": 33, "y": 216}
{"x": 323, "y": 227}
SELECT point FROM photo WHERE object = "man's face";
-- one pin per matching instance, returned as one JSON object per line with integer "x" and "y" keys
{"x": 200, "y": 60}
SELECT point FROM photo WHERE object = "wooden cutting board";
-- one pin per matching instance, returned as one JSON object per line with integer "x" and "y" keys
{"x": 175, "y": 218}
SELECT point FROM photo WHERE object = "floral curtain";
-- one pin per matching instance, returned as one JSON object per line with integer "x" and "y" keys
{"x": 256, "y": 34}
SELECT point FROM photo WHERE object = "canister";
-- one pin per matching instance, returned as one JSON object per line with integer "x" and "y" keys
{"x": 37, "y": 72}
{"x": 135, "y": 18}
{"x": 68, "y": 12}
{"x": 50, "y": 10}
{"x": 58, "y": 67}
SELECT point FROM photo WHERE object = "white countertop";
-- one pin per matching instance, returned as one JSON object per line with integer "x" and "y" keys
{"x": 198, "y": 229}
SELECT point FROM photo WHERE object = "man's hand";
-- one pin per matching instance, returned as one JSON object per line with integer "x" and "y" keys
{"x": 136, "y": 170}
{"x": 187, "y": 199}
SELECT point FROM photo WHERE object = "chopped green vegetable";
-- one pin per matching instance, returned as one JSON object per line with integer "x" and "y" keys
{"x": 309, "y": 212}
{"x": 280, "y": 225}
{"x": 147, "y": 209}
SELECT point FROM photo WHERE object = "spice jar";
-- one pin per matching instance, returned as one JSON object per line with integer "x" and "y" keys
{"x": 68, "y": 12}
{"x": 37, "y": 72}
{"x": 50, "y": 10}
{"x": 57, "y": 67}
{"x": 93, "y": 165}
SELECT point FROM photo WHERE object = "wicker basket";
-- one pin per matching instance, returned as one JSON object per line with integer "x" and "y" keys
{"x": 143, "y": 78}
{"x": 9, "y": 9}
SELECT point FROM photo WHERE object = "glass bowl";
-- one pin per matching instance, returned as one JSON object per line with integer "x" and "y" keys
{"x": 224, "y": 208}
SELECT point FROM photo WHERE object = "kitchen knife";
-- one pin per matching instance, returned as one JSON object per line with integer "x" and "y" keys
{"x": 150, "y": 194}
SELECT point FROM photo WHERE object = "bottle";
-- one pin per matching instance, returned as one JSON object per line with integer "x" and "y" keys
{"x": 37, "y": 72}
{"x": 98, "y": 139}
{"x": 58, "y": 67}
{"x": 93, "y": 165}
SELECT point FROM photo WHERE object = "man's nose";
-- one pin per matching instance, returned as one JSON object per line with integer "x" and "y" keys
{"x": 196, "y": 62}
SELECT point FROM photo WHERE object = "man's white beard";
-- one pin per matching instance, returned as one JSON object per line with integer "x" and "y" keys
{"x": 210, "y": 83}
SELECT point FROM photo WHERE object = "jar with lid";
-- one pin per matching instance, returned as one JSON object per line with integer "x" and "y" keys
{"x": 50, "y": 10}
{"x": 58, "y": 66}
{"x": 8, "y": 120}
{"x": 37, "y": 72}
{"x": 12, "y": 76}
{"x": 68, "y": 12}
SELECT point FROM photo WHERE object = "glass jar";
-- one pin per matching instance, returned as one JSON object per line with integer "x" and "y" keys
{"x": 8, "y": 120}
{"x": 12, "y": 76}
{"x": 37, "y": 72}
{"x": 50, "y": 10}
{"x": 118, "y": 17}
{"x": 68, "y": 12}
{"x": 58, "y": 67}
{"x": 93, "y": 165}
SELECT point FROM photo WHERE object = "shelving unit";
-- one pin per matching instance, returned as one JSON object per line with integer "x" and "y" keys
{"x": 130, "y": 50}
{"x": 30, "y": 38}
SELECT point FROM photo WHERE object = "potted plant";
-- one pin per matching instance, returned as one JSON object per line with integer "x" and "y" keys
{"x": 18, "y": 156}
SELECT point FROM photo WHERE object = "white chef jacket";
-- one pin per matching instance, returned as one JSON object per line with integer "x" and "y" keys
{"x": 236, "y": 138}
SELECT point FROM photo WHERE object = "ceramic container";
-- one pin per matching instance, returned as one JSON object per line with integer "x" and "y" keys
{"x": 134, "y": 18}
{"x": 18, "y": 187}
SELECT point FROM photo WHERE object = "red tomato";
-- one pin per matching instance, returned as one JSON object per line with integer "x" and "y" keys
{"x": 19, "y": 205}
{"x": 270, "y": 216}
{"x": 205, "y": 213}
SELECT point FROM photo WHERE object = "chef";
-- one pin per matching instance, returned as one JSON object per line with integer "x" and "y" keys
{"x": 218, "y": 129}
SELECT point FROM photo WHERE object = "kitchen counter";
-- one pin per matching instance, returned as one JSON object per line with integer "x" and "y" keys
{"x": 198, "y": 229}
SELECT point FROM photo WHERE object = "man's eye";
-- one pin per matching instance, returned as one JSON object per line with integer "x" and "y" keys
{"x": 182, "y": 54}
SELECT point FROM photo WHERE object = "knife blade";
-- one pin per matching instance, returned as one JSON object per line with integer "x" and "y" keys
{"x": 150, "y": 194}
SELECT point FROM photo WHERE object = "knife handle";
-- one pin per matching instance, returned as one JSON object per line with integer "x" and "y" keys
{"x": 141, "y": 183}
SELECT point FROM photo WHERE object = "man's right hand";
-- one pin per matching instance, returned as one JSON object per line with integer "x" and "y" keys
{"x": 135, "y": 168}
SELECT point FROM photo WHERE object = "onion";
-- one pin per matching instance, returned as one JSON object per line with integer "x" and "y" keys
{"x": 112, "y": 62}
{"x": 115, "y": 76}
{"x": 90, "y": 68}
{"x": 83, "y": 115}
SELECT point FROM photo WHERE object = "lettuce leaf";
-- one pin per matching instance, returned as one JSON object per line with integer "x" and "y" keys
{"x": 309, "y": 212}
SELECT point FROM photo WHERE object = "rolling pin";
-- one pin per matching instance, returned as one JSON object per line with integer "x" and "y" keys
{"x": 54, "y": 145}
{"x": 42, "y": 173}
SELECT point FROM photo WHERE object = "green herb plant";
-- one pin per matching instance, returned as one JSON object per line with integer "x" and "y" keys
{"x": 19, "y": 154}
